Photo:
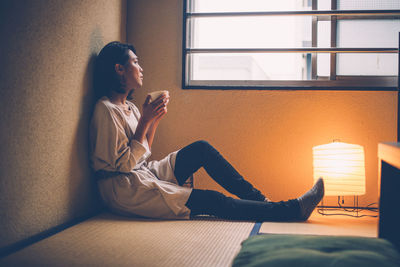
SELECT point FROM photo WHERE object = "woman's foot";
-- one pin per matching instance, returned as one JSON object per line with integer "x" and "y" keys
{"x": 310, "y": 200}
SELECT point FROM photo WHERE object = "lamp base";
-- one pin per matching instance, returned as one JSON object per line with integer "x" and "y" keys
{"x": 351, "y": 211}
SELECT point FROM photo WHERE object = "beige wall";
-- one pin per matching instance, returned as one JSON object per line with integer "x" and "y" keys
{"x": 267, "y": 135}
{"x": 47, "y": 52}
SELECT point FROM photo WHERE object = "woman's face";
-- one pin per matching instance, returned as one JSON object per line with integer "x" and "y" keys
{"x": 132, "y": 73}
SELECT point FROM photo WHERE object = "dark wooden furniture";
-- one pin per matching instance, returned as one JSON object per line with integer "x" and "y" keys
{"x": 389, "y": 198}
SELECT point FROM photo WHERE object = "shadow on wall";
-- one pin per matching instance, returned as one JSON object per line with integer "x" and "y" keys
{"x": 85, "y": 188}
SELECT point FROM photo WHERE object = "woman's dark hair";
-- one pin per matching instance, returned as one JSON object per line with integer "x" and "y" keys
{"x": 106, "y": 79}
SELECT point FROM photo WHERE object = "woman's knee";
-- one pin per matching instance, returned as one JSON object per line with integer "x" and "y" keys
{"x": 202, "y": 145}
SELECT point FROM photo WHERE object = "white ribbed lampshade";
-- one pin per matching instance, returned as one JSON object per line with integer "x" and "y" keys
{"x": 342, "y": 167}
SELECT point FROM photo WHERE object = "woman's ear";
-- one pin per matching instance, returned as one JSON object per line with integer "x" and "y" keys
{"x": 119, "y": 69}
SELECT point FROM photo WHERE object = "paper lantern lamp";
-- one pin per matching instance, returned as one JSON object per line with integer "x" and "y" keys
{"x": 342, "y": 167}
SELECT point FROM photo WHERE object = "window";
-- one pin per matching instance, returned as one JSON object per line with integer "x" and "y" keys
{"x": 290, "y": 44}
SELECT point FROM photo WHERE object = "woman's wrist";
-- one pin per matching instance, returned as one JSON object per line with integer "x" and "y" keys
{"x": 144, "y": 121}
{"x": 156, "y": 122}
{"x": 141, "y": 130}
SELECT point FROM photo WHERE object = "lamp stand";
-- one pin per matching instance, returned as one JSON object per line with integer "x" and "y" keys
{"x": 352, "y": 211}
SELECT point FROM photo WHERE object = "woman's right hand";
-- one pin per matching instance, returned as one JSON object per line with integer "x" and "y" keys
{"x": 153, "y": 110}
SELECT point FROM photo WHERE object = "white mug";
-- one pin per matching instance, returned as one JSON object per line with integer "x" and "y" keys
{"x": 156, "y": 94}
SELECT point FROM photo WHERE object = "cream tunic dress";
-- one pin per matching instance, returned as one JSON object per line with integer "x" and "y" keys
{"x": 138, "y": 187}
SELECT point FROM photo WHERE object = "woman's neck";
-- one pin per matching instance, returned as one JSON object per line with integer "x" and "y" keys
{"x": 119, "y": 99}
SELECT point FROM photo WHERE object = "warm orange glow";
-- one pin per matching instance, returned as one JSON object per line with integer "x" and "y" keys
{"x": 342, "y": 167}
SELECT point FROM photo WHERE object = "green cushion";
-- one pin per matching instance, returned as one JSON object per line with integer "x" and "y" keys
{"x": 302, "y": 250}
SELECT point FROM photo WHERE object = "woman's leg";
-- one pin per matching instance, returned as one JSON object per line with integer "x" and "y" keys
{"x": 214, "y": 203}
{"x": 201, "y": 154}
{"x": 209, "y": 202}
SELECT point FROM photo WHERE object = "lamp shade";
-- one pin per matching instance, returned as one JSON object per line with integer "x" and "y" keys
{"x": 342, "y": 167}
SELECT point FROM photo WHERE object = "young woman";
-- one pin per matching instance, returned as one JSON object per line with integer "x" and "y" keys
{"x": 129, "y": 184}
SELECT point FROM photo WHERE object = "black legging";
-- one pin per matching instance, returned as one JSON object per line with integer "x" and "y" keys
{"x": 250, "y": 206}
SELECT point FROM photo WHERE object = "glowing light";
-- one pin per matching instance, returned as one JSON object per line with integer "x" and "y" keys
{"x": 342, "y": 167}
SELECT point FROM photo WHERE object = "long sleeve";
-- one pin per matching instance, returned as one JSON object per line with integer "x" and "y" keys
{"x": 111, "y": 148}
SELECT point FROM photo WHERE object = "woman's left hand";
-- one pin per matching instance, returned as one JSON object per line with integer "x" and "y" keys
{"x": 165, "y": 101}
{"x": 153, "y": 126}
{"x": 155, "y": 109}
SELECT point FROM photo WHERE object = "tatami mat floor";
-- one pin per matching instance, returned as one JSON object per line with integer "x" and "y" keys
{"x": 108, "y": 240}
{"x": 337, "y": 225}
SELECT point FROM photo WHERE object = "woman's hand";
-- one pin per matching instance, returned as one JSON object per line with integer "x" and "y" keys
{"x": 155, "y": 110}
{"x": 148, "y": 122}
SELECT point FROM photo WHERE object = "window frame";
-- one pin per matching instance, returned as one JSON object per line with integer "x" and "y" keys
{"x": 333, "y": 82}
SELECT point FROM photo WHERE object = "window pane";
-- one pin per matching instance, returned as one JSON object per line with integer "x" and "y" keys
{"x": 251, "y": 32}
{"x": 368, "y": 4}
{"x": 324, "y": 4}
{"x": 366, "y": 64}
{"x": 248, "y": 5}
{"x": 251, "y": 66}
{"x": 323, "y": 65}
{"x": 324, "y": 34}
{"x": 368, "y": 33}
